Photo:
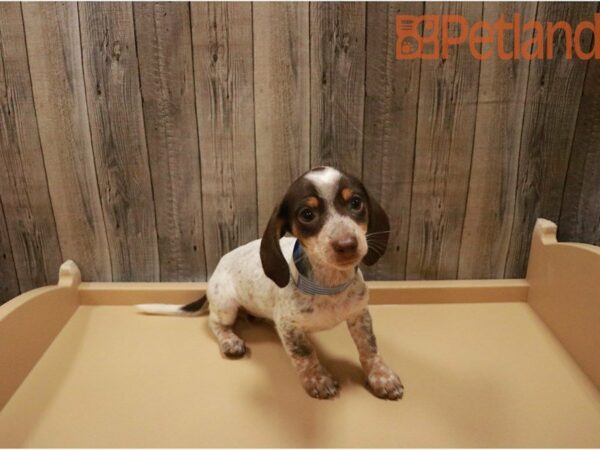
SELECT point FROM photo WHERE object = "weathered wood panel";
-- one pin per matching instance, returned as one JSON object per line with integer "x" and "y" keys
{"x": 580, "y": 213}
{"x": 9, "y": 285}
{"x": 391, "y": 99}
{"x": 116, "y": 121}
{"x": 445, "y": 130}
{"x": 223, "y": 73}
{"x": 553, "y": 96}
{"x": 195, "y": 142}
{"x": 23, "y": 184}
{"x": 282, "y": 100}
{"x": 54, "y": 51}
{"x": 164, "y": 40}
{"x": 493, "y": 182}
{"x": 337, "y": 84}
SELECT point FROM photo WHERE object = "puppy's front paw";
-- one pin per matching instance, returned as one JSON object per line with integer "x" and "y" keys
{"x": 318, "y": 383}
{"x": 233, "y": 347}
{"x": 385, "y": 383}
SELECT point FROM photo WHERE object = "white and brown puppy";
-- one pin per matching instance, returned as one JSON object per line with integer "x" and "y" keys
{"x": 307, "y": 283}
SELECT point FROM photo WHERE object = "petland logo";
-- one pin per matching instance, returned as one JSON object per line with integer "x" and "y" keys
{"x": 431, "y": 36}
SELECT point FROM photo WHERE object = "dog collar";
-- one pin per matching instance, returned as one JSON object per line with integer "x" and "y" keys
{"x": 308, "y": 286}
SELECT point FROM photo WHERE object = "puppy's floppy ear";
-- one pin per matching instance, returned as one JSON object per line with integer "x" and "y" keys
{"x": 378, "y": 230}
{"x": 273, "y": 262}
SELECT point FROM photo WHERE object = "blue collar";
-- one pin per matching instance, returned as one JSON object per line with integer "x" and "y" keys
{"x": 305, "y": 284}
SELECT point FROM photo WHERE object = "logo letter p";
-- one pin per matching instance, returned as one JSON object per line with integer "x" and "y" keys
{"x": 448, "y": 40}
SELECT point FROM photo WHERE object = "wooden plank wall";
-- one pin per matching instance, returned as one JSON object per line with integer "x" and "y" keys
{"x": 145, "y": 140}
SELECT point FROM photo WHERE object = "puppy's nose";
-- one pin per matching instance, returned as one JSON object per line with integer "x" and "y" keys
{"x": 345, "y": 246}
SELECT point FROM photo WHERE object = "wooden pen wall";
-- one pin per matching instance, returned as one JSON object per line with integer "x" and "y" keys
{"x": 146, "y": 140}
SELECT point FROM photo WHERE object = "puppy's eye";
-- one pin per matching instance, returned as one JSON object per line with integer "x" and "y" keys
{"x": 356, "y": 203}
{"x": 306, "y": 215}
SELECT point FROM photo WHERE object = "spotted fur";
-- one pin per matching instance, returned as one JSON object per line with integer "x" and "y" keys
{"x": 339, "y": 225}
{"x": 380, "y": 378}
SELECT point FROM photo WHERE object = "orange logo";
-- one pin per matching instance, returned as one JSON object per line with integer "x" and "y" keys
{"x": 432, "y": 36}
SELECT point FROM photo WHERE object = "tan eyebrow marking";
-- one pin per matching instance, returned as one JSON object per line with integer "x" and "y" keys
{"x": 313, "y": 202}
{"x": 347, "y": 193}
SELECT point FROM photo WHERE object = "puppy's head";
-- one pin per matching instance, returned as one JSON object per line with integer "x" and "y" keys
{"x": 338, "y": 223}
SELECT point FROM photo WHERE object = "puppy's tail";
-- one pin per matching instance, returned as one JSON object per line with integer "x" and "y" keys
{"x": 196, "y": 308}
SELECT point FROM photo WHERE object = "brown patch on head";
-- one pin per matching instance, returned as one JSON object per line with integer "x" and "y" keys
{"x": 347, "y": 194}
{"x": 351, "y": 190}
{"x": 303, "y": 209}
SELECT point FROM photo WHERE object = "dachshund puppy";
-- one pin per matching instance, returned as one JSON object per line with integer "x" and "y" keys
{"x": 308, "y": 282}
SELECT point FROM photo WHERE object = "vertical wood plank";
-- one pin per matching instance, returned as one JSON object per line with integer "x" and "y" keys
{"x": 493, "y": 182}
{"x": 553, "y": 97}
{"x": 9, "y": 285}
{"x": 25, "y": 196}
{"x": 282, "y": 100}
{"x": 445, "y": 130}
{"x": 223, "y": 73}
{"x": 392, "y": 95}
{"x": 580, "y": 213}
{"x": 163, "y": 34}
{"x": 337, "y": 84}
{"x": 116, "y": 121}
{"x": 54, "y": 51}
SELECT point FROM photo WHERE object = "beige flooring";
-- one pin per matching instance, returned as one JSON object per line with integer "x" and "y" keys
{"x": 475, "y": 375}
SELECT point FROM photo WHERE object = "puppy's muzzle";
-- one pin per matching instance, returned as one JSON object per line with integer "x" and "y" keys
{"x": 345, "y": 249}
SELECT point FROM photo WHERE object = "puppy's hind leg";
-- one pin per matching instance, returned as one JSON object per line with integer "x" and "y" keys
{"x": 221, "y": 319}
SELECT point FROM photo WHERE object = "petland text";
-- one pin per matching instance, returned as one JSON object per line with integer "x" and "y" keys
{"x": 530, "y": 40}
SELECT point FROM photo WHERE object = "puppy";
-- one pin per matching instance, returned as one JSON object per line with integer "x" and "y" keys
{"x": 305, "y": 283}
